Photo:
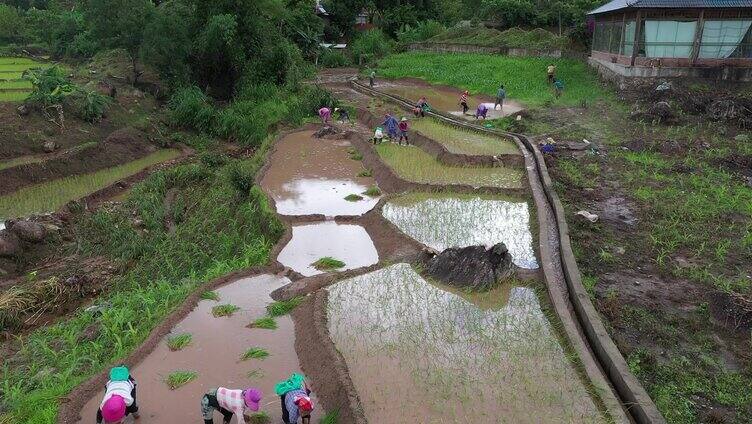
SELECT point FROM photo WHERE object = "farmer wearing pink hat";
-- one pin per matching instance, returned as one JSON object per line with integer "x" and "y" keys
{"x": 229, "y": 402}
{"x": 119, "y": 397}
{"x": 295, "y": 398}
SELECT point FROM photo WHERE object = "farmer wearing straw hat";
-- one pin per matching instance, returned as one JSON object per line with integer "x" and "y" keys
{"x": 119, "y": 397}
{"x": 403, "y": 126}
{"x": 229, "y": 402}
{"x": 294, "y": 395}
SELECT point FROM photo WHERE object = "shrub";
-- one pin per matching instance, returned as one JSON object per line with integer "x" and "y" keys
{"x": 371, "y": 44}
{"x": 419, "y": 32}
{"x": 242, "y": 174}
{"x": 90, "y": 105}
{"x": 191, "y": 108}
{"x": 51, "y": 86}
{"x": 333, "y": 59}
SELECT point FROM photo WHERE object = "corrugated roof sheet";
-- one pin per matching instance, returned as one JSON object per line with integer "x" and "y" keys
{"x": 672, "y": 4}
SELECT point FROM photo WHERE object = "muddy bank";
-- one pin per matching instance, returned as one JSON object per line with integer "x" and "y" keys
{"x": 322, "y": 362}
{"x": 308, "y": 175}
{"x": 214, "y": 353}
{"x": 120, "y": 147}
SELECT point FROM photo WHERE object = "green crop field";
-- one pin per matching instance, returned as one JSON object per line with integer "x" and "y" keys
{"x": 523, "y": 77}
{"x": 12, "y": 87}
{"x": 15, "y": 84}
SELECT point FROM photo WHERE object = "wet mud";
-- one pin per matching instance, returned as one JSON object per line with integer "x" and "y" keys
{"x": 348, "y": 243}
{"x": 442, "y": 221}
{"x": 310, "y": 175}
{"x": 418, "y": 353}
{"x": 214, "y": 354}
{"x": 446, "y": 98}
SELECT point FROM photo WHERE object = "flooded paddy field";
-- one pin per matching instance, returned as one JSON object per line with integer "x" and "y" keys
{"x": 214, "y": 354}
{"x": 413, "y": 164}
{"x": 348, "y": 243}
{"x": 49, "y": 196}
{"x": 419, "y": 353}
{"x": 441, "y": 221}
{"x": 314, "y": 175}
{"x": 462, "y": 141}
{"x": 445, "y": 98}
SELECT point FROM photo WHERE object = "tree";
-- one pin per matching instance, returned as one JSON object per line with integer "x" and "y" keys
{"x": 169, "y": 55}
{"x": 120, "y": 24}
{"x": 11, "y": 25}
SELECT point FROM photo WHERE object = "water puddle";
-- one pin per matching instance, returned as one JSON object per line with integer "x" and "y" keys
{"x": 350, "y": 244}
{"x": 418, "y": 353}
{"x": 447, "y": 99}
{"x": 462, "y": 141}
{"x": 313, "y": 176}
{"x": 214, "y": 354}
{"x": 52, "y": 195}
{"x": 442, "y": 221}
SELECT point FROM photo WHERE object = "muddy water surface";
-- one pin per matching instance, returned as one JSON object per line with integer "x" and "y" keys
{"x": 313, "y": 176}
{"x": 447, "y": 99}
{"x": 350, "y": 244}
{"x": 214, "y": 353}
{"x": 418, "y": 354}
{"x": 442, "y": 221}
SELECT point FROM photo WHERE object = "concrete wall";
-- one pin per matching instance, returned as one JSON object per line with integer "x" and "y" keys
{"x": 617, "y": 72}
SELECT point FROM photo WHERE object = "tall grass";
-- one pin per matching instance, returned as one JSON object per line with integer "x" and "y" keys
{"x": 50, "y": 196}
{"x": 415, "y": 165}
{"x": 523, "y": 77}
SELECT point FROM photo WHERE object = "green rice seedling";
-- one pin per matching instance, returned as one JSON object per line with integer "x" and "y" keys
{"x": 255, "y": 374}
{"x": 179, "y": 342}
{"x": 284, "y": 307}
{"x": 418, "y": 166}
{"x": 330, "y": 418}
{"x": 463, "y": 141}
{"x": 254, "y": 353}
{"x": 266, "y": 323}
{"x": 356, "y": 156}
{"x": 225, "y": 310}
{"x": 328, "y": 263}
{"x": 259, "y": 418}
{"x": 15, "y": 84}
{"x": 13, "y": 95}
{"x": 210, "y": 295}
{"x": 372, "y": 191}
{"x": 365, "y": 173}
{"x": 180, "y": 378}
{"x": 353, "y": 198}
{"x": 52, "y": 195}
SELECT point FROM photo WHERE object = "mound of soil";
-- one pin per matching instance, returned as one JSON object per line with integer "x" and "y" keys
{"x": 122, "y": 146}
{"x": 474, "y": 267}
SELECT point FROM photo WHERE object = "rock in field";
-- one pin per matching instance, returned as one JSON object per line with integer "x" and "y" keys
{"x": 475, "y": 267}
{"x": 10, "y": 245}
{"x": 49, "y": 146}
{"x": 30, "y": 231}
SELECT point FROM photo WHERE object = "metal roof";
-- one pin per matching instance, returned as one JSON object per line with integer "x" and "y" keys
{"x": 615, "y": 5}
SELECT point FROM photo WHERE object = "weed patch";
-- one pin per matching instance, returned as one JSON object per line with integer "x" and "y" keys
{"x": 365, "y": 173}
{"x": 373, "y": 191}
{"x": 328, "y": 263}
{"x": 210, "y": 295}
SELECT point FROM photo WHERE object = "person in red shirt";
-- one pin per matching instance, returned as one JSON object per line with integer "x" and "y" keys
{"x": 463, "y": 102}
{"x": 403, "y": 131}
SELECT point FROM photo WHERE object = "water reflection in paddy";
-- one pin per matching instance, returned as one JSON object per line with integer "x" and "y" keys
{"x": 442, "y": 221}
{"x": 418, "y": 353}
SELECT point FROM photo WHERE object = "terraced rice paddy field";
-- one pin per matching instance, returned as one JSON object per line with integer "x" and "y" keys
{"x": 13, "y": 88}
{"x": 463, "y": 141}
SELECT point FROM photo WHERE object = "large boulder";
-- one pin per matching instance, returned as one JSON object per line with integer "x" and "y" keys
{"x": 10, "y": 245}
{"x": 30, "y": 231}
{"x": 474, "y": 267}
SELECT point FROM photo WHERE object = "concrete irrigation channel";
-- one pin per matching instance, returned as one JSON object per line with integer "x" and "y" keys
{"x": 379, "y": 340}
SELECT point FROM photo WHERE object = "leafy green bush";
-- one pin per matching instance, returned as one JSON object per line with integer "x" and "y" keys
{"x": 331, "y": 58}
{"x": 51, "y": 86}
{"x": 371, "y": 44}
{"x": 191, "y": 108}
{"x": 90, "y": 105}
{"x": 419, "y": 32}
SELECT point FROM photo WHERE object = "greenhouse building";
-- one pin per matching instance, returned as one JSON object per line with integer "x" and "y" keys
{"x": 673, "y": 38}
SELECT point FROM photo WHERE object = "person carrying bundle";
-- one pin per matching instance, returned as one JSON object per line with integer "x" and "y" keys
{"x": 295, "y": 399}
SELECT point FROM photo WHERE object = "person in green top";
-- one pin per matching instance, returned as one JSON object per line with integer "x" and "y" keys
{"x": 558, "y": 87}
{"x": 501, "y": 94}
{"x": 372, "y": 78}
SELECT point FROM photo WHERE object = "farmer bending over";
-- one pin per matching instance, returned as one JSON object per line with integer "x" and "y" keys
{"x": 343, "y": 115}
{"x": 119, "y": 397}
{"x": 501, "y": 94}
{"x": 481, "y": 112}
{"x": 378, "y": 136}
{"x": 463, "y": 102}
{"x": 421, "y": 107}
{"x": 325, "y": 114}
{"x": 229, "y": 402}
{"x": 294, "y": 395}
